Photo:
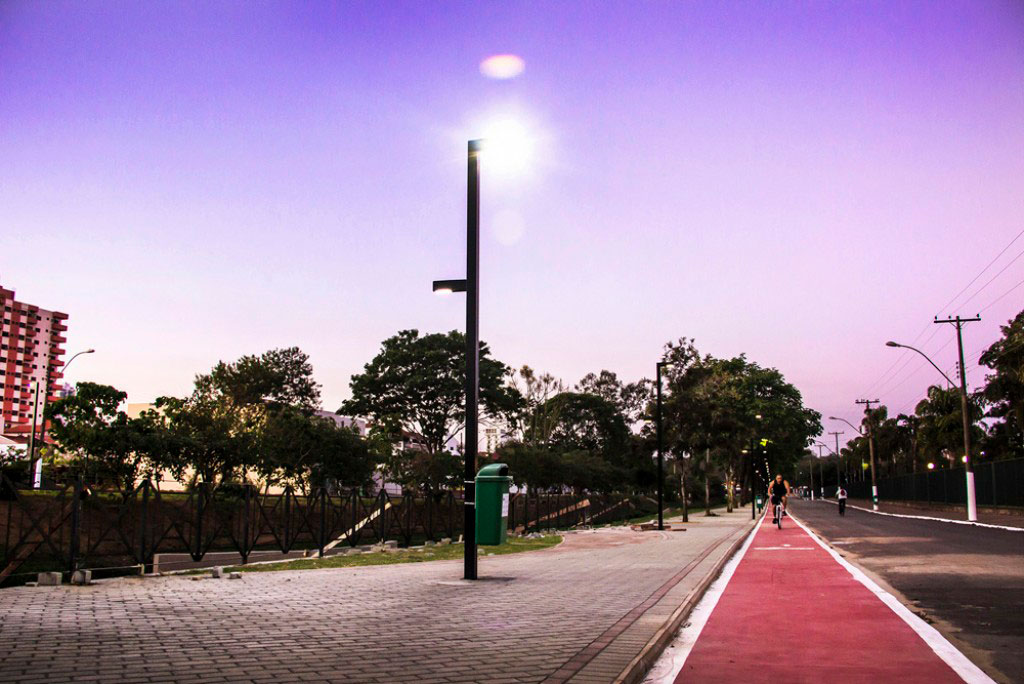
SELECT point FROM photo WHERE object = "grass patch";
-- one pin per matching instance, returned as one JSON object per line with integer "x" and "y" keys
{"x": 431, "y": 553}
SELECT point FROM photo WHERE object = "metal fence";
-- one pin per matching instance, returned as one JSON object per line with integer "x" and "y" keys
{"x": 78, "y": 526}
{"x": 996, "y": 483}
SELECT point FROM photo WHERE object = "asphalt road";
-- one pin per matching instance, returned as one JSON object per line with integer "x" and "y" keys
{"x": 967, "y": 581}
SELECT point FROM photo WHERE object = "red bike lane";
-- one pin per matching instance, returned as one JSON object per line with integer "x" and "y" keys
{"x": 792, "y": 612}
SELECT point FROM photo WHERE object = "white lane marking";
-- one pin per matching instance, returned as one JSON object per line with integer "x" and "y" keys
{"x": 967, "y": 670}
{"x": 671, "y": 661}
{"x": 787, "y": 547}
{"x": 926, "y": 517}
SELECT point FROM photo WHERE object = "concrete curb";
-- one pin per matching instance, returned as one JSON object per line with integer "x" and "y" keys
{"x": 642, "y": 662}
{"x": 927, "y": 517}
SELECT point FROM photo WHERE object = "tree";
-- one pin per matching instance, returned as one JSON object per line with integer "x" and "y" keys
{"x": 254, "y": 414}
{"x": 940, "y": 427}
{"x": 1004, "y": 390}
{"x": 417, "y": 384}
{"x": 90, "y": 426}
{"x": 308, "y": 451}
{"x": 537, "y": 416}
{"x": 630, "y": 399}
{"x": 276, "y": 377}
{"x": 712, "y": 408}
{"x": 587, "y": 422}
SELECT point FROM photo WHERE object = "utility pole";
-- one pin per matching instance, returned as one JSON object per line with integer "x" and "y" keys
{"x": 972, "y": 504}
{"x": 871, "y": 450}
{"x": 839, "y": 461}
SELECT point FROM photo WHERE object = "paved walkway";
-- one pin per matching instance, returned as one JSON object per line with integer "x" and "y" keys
{"x": 791, "y": 612}
{"x": 588, "y": 610}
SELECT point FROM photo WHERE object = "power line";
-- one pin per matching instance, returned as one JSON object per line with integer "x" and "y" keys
{"x": 992, "y": 278}
{"x": 993, "y": 302}
{"x": 905, "y": 356}
{"x": 981, "y": 272}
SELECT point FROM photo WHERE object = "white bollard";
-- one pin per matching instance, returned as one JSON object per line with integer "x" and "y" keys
{"x": 972, "y": 503}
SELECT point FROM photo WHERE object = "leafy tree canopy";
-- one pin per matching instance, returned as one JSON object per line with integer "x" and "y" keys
{"x": 417, "y": 384}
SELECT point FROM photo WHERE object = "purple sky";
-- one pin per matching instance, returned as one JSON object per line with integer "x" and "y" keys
{"x": 798, "y": 181}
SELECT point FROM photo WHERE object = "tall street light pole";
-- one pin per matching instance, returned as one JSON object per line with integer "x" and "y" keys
{"x": 471, "y": 286}
{"x": 661, "y": 458}
{"x": 972, "y": 502}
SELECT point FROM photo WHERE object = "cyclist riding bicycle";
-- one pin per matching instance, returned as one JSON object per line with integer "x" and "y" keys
{"x": 779, "y": 492}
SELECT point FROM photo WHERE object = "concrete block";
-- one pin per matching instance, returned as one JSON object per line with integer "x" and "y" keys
{"x": 217, "y": 572}
{"x": 49, "y": 579}
{"x": 391, "y": 544}
{"x": 81, "y": 577}
{"x": 430, "y": 543}
{"x": 234, "y": 575}
{"x": 445, "y": 542}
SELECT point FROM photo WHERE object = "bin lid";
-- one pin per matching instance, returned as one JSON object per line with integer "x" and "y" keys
{"x": 493, "y": 471}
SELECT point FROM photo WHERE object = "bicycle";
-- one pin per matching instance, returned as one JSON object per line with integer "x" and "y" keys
{"x": 778, "y": 514}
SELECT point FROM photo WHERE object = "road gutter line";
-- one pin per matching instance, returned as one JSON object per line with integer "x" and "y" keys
{"x": 952, "y": 656}
{"x": 925, "y": 517}
{"x": 698, "y": 616}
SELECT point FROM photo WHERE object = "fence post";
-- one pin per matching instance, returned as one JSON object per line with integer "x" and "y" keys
{"x": 143, "y": 524}
{"x": 76, "y": 524}
{"x": 409, "y": 500}
{"x": 428, "y": 501}
{"x": 197, "y": 555}
{"x": 247, "y": 504}
{"x": 287, "y": 519}
{"x": 323, "y": 520}
{"x": 992, "y": 468}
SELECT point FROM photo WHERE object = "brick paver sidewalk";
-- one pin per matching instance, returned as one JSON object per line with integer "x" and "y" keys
{"x": 588, "y": 610}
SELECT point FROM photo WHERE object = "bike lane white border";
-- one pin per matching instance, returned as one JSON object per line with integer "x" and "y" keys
{"x": 927, "y": 517}
{"x": 672, "y": 660}
{"x": 949, "y": 653}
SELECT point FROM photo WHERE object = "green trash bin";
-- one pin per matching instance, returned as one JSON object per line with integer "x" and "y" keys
{"x": 492, "y": 504}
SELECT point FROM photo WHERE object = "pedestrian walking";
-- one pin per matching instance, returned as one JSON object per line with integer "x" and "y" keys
{"x": 841, "y": 498}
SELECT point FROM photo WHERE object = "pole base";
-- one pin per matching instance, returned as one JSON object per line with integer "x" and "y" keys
{"x": 972, "y": 501}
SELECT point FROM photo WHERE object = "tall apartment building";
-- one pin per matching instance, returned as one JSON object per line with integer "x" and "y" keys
{"x": 30, "y": 352}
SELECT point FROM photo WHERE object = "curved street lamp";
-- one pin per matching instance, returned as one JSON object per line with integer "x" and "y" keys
{"x": 37, "y": 478}
{"x": 972, "y": 506}
{"x": 897, "y": 345}
{"x": 859, "y": 431}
